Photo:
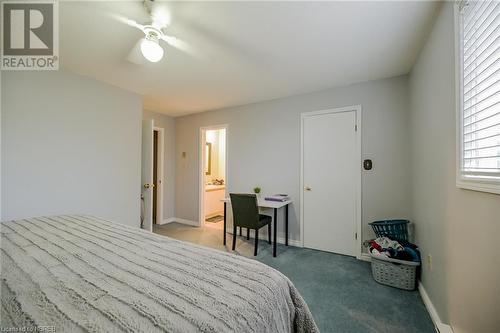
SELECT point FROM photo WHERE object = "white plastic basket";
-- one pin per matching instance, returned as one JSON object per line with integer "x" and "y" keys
{"x": 395, "y": 273}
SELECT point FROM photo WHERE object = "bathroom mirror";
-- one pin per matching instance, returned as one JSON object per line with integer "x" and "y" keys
{"x": 208, "y": 158}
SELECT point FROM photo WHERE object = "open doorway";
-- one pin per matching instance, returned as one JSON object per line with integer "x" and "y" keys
{"x": 158, "y": 137}
{"x": 213, "y": 175}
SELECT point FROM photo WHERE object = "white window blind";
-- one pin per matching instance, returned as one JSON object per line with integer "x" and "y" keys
{"x": 480, "y": 90}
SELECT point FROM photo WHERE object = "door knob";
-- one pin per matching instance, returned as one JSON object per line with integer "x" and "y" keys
{"x": 307, "y": 188}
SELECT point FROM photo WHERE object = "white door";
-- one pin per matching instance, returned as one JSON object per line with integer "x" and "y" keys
{"x": 147, "y": 174}
{"x": 329, "y": 177}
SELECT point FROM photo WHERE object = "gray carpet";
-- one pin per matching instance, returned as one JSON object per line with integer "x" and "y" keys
{"x": 340, "y": 292}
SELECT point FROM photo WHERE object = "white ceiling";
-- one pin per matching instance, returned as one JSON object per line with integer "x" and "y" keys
{"x": 244, "y": 52}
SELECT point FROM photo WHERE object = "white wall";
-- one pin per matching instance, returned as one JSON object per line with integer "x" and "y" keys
{"x": 459, "y": 228}
{"x": 168, "y": 124}
{"x": 69, "y": 145}
{"x": 263, "y": 147}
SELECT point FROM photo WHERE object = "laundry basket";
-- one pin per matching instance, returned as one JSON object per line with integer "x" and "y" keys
{"x": 394, "y": 229}
{"x": 395, "y": 273}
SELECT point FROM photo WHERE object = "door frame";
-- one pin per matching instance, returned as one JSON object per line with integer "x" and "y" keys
{"x": 146, "y": 205}
{"x": 201, "y": 169}
{"x": 357, "y": 228}
{"x": 159, "y": 167}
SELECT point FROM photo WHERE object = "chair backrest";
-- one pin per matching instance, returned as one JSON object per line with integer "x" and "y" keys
{"x": 245, "y": 210}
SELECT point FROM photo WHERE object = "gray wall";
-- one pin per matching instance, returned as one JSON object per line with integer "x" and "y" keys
{"x": 459, "y": 228}
{"x": 264, "y": 148}
{"x": 167, "y": 123}
{"x": 69, "y": 145}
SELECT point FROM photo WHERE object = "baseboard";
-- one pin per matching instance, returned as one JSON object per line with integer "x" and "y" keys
{"x": 179, "y": 220}
{"x": 184, "y": 221}
{"x": 166, "y": 221}
{"x": 279, "y": 240}
{"x": 438, "y": 324}
{"x": 365, "y": 257}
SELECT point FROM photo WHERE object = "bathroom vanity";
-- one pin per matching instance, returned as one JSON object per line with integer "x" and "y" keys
{"x": 214, "y": 194}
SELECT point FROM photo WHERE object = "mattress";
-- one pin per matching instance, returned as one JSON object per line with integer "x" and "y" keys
{"x": 78, "y": 273}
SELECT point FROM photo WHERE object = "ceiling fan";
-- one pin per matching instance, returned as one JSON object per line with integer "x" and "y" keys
{"x": 150, "y": 45}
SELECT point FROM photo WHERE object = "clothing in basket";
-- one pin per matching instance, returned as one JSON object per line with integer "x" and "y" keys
{"x": 388, "y": 248}
{"x": 394, "y": 263}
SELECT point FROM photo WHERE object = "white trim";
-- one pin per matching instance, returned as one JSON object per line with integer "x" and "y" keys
{"x": 476, "y": 185}
{"x": 458, "y": 99}
{"x": 279, "y": 240}
{"x": 201, "y": 169}
{"x": 358, "y": 110}
{"x": 464, "y": 181}
{"x": 438, "y": 324}
{"x": 160, "y": 152}
{"x": 167, "y": 221}
{"x": 147, "y": 195}
{"x": 184, "y": 221}
{"x": 365, "y": 257}
{"x": 1, "y": 145}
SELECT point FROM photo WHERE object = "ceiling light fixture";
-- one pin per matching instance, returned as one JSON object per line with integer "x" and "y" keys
{"x": 150, "y": 46}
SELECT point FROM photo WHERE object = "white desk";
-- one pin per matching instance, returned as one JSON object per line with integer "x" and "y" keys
{"x": 262, "y": 203}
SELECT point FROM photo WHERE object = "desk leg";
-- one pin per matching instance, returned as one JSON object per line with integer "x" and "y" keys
{"x": 286, "y": 225}
{"x": 275, "y": 233}
{"x": 225, "y": 223}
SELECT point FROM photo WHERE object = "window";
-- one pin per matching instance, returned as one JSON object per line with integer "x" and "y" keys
{"x": 479, "y": 95}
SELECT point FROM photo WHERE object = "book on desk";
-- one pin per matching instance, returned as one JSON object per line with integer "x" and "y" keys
{"x": 277, "y": 197}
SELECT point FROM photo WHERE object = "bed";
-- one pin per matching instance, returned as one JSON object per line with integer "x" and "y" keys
{"x": 78, "y": 273}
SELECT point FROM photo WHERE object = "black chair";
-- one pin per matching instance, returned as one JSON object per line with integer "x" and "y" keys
{"x": 246, "y": 215}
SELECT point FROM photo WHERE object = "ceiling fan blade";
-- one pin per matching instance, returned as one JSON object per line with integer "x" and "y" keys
{"x": 180, "y": 45}
{"x": 128, "y": 21}
{"x": 135, "y": 55}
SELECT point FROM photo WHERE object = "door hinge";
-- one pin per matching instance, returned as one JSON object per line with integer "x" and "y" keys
{"x": 355, "y": 128}
{"x": 355, "y": 235}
